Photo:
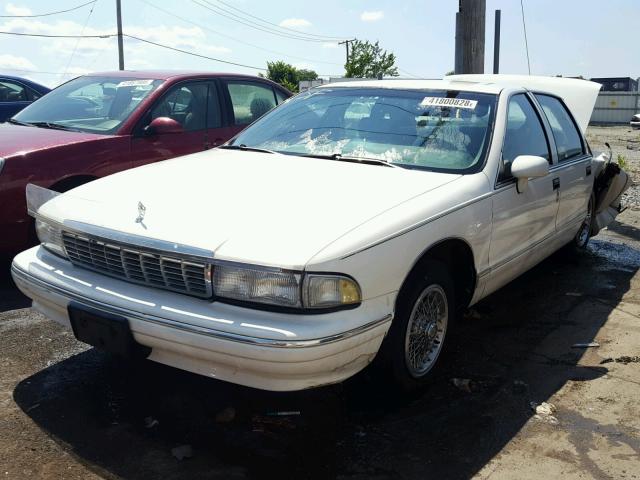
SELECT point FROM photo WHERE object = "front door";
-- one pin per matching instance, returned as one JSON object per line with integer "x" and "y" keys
{"x": 521, "y": 220}
{"x": 187, "y": 103}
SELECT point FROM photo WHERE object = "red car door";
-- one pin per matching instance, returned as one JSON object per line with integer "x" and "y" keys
{"x": 187, "y": 104}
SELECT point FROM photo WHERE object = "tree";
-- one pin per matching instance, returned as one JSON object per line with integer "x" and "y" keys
{"x": 368, "y": 60}
{"x": 287, "y": 75}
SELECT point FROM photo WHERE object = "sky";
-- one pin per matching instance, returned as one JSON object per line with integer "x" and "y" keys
{"x": 592, "y": 38}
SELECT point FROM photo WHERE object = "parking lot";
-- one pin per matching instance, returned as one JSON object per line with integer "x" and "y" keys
{"x": 72, "y": 412}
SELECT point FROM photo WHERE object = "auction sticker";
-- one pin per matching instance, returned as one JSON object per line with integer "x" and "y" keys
{"x": 135, "y": 83}
{"x": 449, "y": 102}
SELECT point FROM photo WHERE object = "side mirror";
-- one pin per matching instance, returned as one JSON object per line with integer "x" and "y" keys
{"x": 163, "y": 125}
{"x": 525, "y": 167}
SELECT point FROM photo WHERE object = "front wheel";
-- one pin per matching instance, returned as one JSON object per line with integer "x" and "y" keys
{"x": 424, "y": 312}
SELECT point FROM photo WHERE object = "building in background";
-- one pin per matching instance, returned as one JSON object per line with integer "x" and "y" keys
{"x": 617, "y": 84}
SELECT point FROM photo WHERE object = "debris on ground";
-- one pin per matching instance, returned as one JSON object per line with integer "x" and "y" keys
{"x": 573, "y": 294}
{"x": 226, "y": 415}
{"x": 544, "y": 412}
{"x": 625, "y": 359}
{"x": 463, "y": 384}
{"x": 181, "y": 452}
{"x": 585, "y": 345}
{"x": 150, "y": 422}
{"x": 284, "y": 413}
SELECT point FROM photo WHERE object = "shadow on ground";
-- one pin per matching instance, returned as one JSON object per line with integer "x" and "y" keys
{"x": 515, "y": 347}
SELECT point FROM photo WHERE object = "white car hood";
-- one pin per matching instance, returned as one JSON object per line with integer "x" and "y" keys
{"x": 261, "y": 208}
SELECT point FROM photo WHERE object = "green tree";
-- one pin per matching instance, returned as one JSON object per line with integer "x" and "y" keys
{"x": 369, "y": 60}
{"x": 287, "y": 75}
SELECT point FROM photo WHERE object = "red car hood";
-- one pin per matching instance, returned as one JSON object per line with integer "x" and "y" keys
{"x": 16, "y": 140}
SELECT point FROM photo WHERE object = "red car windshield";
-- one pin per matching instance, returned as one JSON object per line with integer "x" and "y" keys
{"x": 89, "y": 104}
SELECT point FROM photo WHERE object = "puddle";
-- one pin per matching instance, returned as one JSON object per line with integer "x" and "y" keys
{"x": 618, "y": 255}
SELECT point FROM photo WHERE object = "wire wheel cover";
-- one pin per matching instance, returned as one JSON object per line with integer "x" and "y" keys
{"x": 426, "y": 330}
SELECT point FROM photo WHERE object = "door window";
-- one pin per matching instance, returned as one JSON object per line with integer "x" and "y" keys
{"x": 565, "y": 133}
{"x": 250, "y": 101}
{"x": 186, "y": 104}
{"x": 12, "y": 92}
{"x": 524, "y": 135}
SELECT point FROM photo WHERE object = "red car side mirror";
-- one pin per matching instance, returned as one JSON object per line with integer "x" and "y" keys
{"x": 163, "y": 125}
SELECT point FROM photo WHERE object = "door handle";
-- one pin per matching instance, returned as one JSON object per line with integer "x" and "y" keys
{"x": 588, "y": 170}
{"x": 556, "y": 183}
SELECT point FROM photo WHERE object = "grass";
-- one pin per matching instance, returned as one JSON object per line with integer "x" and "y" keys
{"x": 622, "y": 161}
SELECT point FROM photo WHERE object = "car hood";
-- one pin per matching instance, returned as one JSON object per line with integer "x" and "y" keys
{"x": 17, "y": 140}
{"x": 261, "y": 208}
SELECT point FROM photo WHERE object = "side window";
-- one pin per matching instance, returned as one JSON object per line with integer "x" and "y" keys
{"x": 12, "y": 92}
{"x": 565, "y": 133}
{"x": 187, "y": 104}
{"x": 524, "y": 135}
{"x": 250, "y": 101}
{"x": 214, "y": 115}
{"x": 280, "y": 96}
{"x": 33, "y": 95}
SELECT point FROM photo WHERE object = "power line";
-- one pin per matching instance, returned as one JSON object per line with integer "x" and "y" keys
{"x": 192, "y": 53}
{"x": 79, "y": 39}
{"x": 42, "y": 35}
{"x": 326, "y": 37}
{"x": 233, "y": 17}
{"x": 49, "y": 13}
{"x": 234, "y": 38}
{"x": 526, "y": 43}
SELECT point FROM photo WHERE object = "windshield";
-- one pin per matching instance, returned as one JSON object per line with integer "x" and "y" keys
{"x": 425, "y": 129}
{"x": 89, "y": 104}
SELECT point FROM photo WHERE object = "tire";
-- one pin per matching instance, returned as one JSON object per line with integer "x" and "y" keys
{"x": 403, "y": 357}
{"x": 581, "y": 240}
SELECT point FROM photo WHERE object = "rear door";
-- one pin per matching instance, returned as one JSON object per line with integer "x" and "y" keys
{"x": 247, "y": 100}
{"x": 521, "y": 221}
{"x": 187, "y": 103}
{"x": 13, "y": 97}
{"x": 573, "y": 165}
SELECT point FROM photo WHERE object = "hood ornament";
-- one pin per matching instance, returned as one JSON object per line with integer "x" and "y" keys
{"x": 142, "y": 210}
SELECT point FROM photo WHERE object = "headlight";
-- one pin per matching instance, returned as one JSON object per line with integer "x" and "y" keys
{"x": 50, "y": 236}
{"x": 257, "y": 285}
{"x": 330, "y": 291}
{"x": 284, "y": 288}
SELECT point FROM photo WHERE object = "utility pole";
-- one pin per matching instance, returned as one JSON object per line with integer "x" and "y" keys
{"x": 470, "y": 21}
{"x": 346, "y": 44}
{"x": 120, "y": 44}
{"x": 496, "y": 43}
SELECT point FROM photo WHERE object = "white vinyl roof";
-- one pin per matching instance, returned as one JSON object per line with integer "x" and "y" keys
{"x": 419, "y": 85}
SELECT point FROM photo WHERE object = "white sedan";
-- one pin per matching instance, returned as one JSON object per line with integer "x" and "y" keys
{"x": 355, "y": 221}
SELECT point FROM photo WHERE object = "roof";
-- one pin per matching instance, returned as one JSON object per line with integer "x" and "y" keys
{"x": 164, "y": 74}
{"x": 26, "y": 81}
{"x": 419, "y": 85}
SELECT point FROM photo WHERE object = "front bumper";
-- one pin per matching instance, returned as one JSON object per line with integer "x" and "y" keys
{"x": 266, "y": 350}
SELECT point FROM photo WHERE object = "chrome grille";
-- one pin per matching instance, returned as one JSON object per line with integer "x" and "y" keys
{"x": 137, "y": 265}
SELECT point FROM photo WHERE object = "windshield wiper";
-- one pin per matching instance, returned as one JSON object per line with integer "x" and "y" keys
{"x": 52, "y": 125}
{"x": 348, "y": 158}
{"x": 244, "y": 148}
{"x": 18, "y": 122}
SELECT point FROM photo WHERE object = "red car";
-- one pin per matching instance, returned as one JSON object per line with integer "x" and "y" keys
{"x": 99, "y": 124}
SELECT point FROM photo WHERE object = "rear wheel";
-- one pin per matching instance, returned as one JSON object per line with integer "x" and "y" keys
{"x": 424, "y": 313}
{"x": 581, "y": 239}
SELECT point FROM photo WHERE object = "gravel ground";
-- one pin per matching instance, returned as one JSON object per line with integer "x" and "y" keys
{"x": 625, "y": 142}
